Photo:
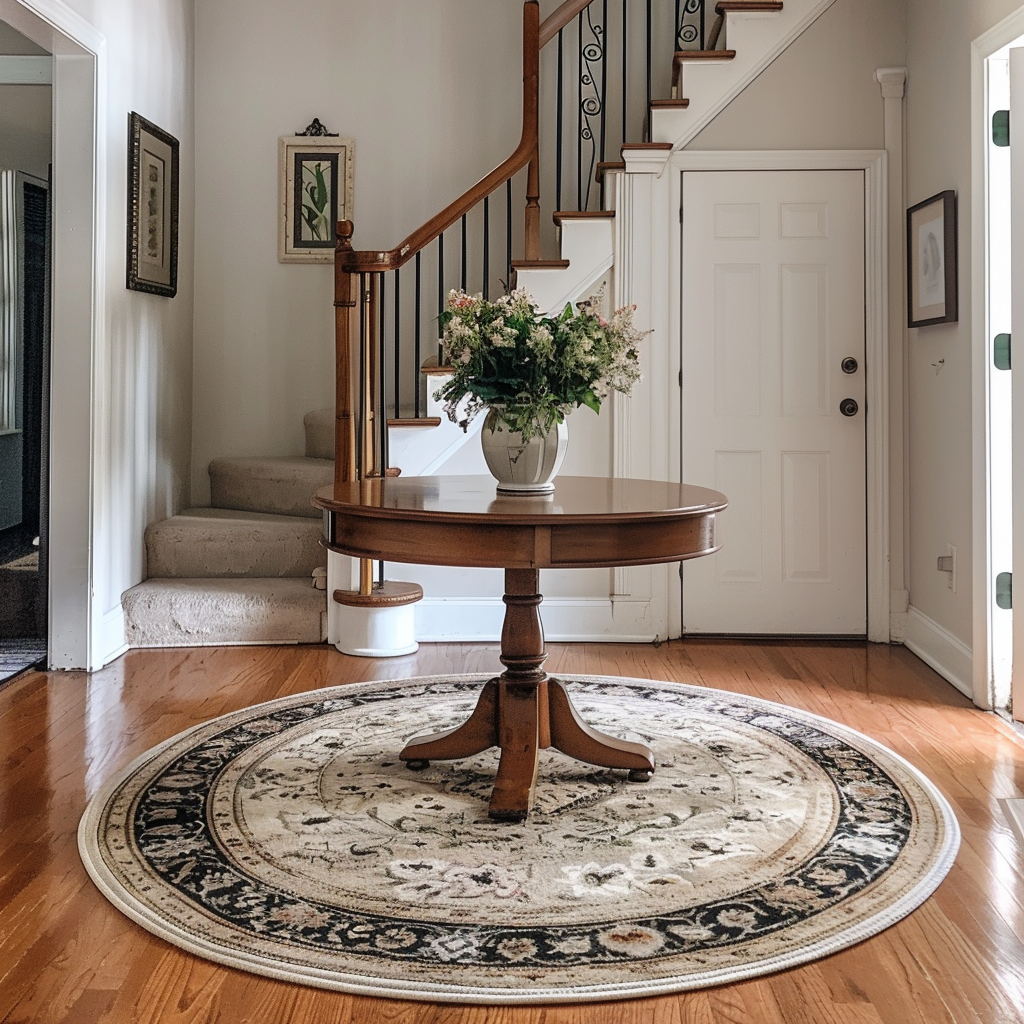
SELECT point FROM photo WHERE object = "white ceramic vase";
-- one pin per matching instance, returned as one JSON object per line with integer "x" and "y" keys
{"x": 522, "y": 467}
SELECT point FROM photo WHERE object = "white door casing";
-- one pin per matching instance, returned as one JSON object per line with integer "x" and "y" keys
{"x": 773, "y": 302}
{"x": 1016, "y": 384}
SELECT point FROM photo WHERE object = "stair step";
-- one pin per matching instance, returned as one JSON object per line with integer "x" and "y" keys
{"x": 214, "y": 612}
{"x": 644, "y": 145}
{"x": 540, "y": 264}
{"x": 680, "y": 104}
{"x": 319, "y": 428}
{"x": 684, "y": 56}
{"x": 742, "y": 6}
{"x": 279, "y": 486}
{"x": 605, "y": 166}
{"x": 415, "y": 421}
{"x": 563, "y": 215}
{"x": 216, "y": 542}
{"x": 432, "y": 367}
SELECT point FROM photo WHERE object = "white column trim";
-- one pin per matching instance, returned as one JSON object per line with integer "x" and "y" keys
{"x": 892, "y": 82}
{"x": 876, "y": 212}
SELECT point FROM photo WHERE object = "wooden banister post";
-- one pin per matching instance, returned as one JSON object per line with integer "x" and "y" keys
{"x": 344, "y": 303}
{"x": 531, "y": 121}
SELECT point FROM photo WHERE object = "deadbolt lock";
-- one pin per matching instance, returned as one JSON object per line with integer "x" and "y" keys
{"x": 849, "y": 365}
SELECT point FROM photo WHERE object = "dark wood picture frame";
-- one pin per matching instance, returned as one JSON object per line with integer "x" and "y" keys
{"x": 152, "y": 208}
{"x": 932, "y": 272}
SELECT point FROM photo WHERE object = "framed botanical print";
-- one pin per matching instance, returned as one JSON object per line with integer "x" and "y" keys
{"x": 315, "y": 193}
{"x": 152, "y": 208}
{"x": 932, "y": 261}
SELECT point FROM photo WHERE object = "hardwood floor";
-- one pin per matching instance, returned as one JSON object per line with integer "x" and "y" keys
{"x": 67, "y": 956}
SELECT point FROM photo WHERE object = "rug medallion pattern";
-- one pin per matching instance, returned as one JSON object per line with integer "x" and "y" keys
{"x": 288, "y": 839}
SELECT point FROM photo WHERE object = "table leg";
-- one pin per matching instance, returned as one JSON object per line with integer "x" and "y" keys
{"x": 477, "y": 733}
{"x": 523, "y": 711}
{"x": 522, "y": 697}
{"x": 571, "y": 735}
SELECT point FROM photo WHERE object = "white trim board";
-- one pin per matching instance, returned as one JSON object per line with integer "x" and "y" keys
{"x": 876, "y": 341}
{"x": 940, "y": 650}
{"x": 986, "y": 45}
{"x": 77, "y": 375}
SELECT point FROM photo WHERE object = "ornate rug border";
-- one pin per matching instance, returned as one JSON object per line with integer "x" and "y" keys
{"x": 420, "y": 991}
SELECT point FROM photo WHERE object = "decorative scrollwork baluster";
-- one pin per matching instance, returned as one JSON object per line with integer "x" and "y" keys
{"x": 591, "y": 108}
{"x": 690, "y": 30}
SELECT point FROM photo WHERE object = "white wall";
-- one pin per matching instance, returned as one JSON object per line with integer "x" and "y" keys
{"x": 137, "y": 376}
{"x": 939, "y": 150}
{"x": 821, "y": 92}
{"x": 431, "y": 94}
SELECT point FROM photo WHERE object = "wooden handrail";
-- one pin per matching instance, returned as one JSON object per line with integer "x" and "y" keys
{"x": 558, "y": 19}
{"x": 356, "y": 261}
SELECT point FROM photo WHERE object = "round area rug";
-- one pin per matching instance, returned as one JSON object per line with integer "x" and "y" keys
{"x": 288, "y": 839}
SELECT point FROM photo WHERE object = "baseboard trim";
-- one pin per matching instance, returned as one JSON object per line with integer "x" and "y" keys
{"x": 566, "y": 620}
{"x": 940, "y": 650}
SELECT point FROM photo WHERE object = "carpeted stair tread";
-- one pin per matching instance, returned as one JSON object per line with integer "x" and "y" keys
{"x": 218, "y": 542}
{"x": 279, "y": 486}
{"x": 319, "y": 427}
{"x": 207, "y": 612}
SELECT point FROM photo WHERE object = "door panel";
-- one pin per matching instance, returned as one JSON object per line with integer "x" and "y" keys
{"x": 773, "y": 302}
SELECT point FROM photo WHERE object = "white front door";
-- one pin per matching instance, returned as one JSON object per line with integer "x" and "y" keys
{"x": 773, "y": 398}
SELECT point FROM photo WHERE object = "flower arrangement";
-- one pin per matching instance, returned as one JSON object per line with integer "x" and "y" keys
{"x": 535, "y": 368}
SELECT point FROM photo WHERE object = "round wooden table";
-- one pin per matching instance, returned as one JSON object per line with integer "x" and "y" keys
{"x": 587, "y": 522}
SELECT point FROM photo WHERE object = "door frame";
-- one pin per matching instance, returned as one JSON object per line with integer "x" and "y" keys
{"x": 78, "y": 290}
{"x": 983, "y": 681}
{"x": 876, "y": 331}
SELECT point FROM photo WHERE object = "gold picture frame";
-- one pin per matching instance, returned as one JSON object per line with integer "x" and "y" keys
{"x": 316, "y": 175}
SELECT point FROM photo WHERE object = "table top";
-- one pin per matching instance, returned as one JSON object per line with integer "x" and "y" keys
{"x": 575, "y": 499}
{"x": 462, "y": 520}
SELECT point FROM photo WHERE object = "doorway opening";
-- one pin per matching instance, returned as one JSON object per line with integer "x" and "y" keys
{"x": 25, "y": 251}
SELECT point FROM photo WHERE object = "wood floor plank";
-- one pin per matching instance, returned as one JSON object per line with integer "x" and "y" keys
{"x": 66, "y": 956}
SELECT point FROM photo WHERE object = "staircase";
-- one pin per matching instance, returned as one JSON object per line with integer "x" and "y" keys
{"x": 243, "y": 571}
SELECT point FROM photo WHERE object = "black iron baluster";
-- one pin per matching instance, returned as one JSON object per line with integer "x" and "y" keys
{"x": 579, "y": 116}
{"x": 604, "y": 87}
{"x": 418, "y": 320}
{"x": 398, "y": 342}
{"x": 689, "y": 31}
{"x": 703, "y": 33}
{"x": 465, "y": 246}
{"x": 361, "y": 403}
{"x": 382, "y": 412}
{"x": 625, "y": 76}
{"x": 558, "y": 129}
{"x": 591, "y": 102}
{"x": 487, "y": 248}
{"x": 647, "y": 109}
{"x": 508, "y": 235}
{"x": 440, "y": 289}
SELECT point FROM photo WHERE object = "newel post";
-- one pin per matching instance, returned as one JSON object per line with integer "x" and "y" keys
{"x": 531, "y": 120}
{"x": 344, "y": 303}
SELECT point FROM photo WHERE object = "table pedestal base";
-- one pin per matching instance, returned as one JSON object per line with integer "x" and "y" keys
{"x": 524, "y": 711}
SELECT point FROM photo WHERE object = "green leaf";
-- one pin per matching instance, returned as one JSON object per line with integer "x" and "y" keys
{"x": 320, "y": 201}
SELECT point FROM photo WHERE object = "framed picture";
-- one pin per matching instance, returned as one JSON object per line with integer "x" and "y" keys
{"x": 931, "y": 261}
{"x": 152, "y": 208}
{"x": 315, "y": 193}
